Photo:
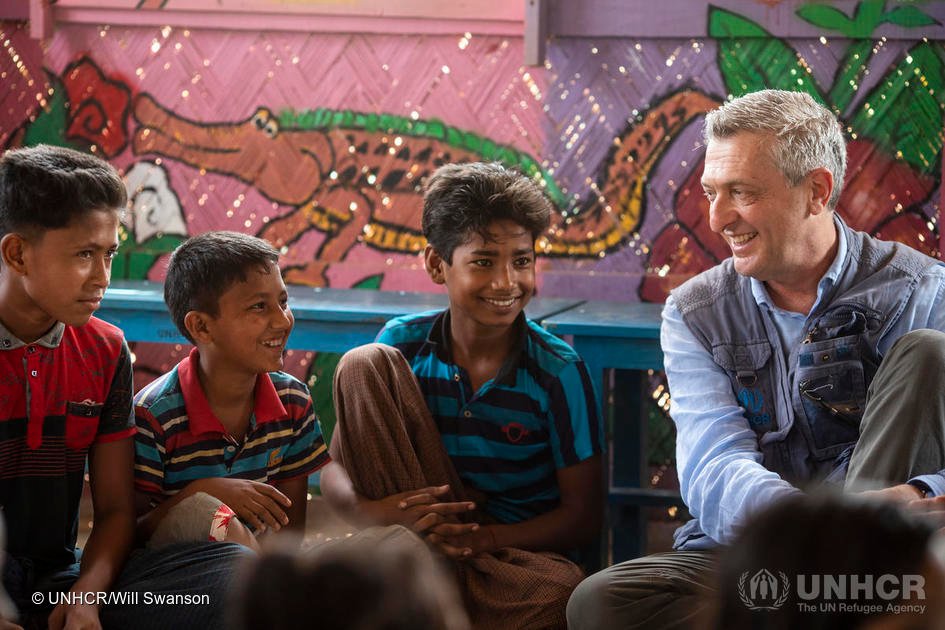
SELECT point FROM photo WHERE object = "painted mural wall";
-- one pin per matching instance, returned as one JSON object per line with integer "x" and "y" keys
{"x": 320, "y": 141}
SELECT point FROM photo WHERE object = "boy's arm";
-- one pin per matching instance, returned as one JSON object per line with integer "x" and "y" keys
{"x": 112, "y": 531}
{"x": 575, "y": 522}
{"x": 256, "y": 503}
{"x": 306, "y": 454}
{"x": 111, "y": 462}
{"x": 259, "y": 504}
{"x": 296, "y": 490}
{"x": 340, "y": 494}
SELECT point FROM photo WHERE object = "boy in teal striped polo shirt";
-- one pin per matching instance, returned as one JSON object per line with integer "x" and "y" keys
{"x": 225, "y": 438}
{"x": 473, "y": 426}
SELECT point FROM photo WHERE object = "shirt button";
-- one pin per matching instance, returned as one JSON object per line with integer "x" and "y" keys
{"x": 31, "y": 349}
{"x": 7, "y": 343}
{"x": 230, "y": 449}
{"x": 456, "y": 377}
{"x": 34, "y": 373}
{"x": 468, "y": 414}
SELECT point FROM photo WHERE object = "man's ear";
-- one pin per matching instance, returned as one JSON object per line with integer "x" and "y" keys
{"x": 434, "y": 265}
{"x": 12, "y": 251}
{"x": 821, "y": 187}
{"x": 197, "y": 326}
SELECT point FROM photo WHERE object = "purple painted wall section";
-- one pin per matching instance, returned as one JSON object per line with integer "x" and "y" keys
{"x": 606, "y": 84}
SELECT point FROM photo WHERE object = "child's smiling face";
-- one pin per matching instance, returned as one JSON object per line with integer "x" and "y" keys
{"x": 252, "y": 324}
{"x": 490, "y": 280}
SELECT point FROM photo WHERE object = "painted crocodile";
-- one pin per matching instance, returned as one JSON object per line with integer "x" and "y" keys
{"x": 357, "y": 177}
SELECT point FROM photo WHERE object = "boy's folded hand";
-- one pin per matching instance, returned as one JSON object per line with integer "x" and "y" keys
{"x": 418, "y": 510}
{"x": 461, "y": 541}
{"x": 74, "y": 617}
{"x": 258, "y": 504}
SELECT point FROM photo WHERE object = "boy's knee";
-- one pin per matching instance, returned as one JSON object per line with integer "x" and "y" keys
{"x": 367, "y": 356}
{"x": 201, "y": 518}
{"x": 924, "y": 348}
{"x": 238, "y": 533}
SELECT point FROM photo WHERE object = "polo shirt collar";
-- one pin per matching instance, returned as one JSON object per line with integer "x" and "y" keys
{"x": 440, "y": 338}
{"x": 267, "y": 406}
{"x": 9, "y": 341}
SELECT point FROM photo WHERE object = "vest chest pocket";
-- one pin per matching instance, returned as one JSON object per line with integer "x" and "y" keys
{"x": 831, "y": 386}
{"x": 749, "y": 370}
{"x": 81, "y": 424}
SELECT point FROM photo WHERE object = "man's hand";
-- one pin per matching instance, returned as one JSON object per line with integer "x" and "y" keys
{"x": 418, "y": 510}
{"x": 934, "y": 506}
{"x": 902, "y": 493}
{"x": 9, "y": 625}
{"x": 75, "y": 617}
{"x": 258, "y": 504}
{"x": 913, "y": 500}
{"x": 462, "y": 541}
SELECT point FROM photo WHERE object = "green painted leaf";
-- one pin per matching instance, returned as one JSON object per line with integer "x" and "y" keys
{"x": 134, "y": 261}
{"x": 50, "y": 124}
{"x": 909, "y": 17}
{"x": 869, "y": 15}
{"x": 903, "y": 114}
{"x": 826, "y": 17}
{"x": 322, "y": 373}
{"x": 752, "y": 59}
{"x": 371, "y": 282}
{"x": 320, "y": 386}
{"x": 724, "y": 23}
{"x": 849, "y": 73}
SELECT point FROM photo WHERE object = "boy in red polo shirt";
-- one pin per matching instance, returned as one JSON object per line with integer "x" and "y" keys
{"x": 65, "y": 397}
{"x": 226, "y": 432}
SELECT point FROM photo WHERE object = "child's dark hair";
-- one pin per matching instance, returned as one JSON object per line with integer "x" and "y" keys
{"x": 203, "y": 267}
{"x": 46, "y": 187}
{"x": 464, "y": 199}
{"x": 351, "y": 584}
{"x": 817, "y": 535}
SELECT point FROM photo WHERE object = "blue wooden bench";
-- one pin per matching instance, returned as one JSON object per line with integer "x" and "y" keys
{"x": 326, "y": 320}
{"x": 611, "y": 335}
{"x": 607, "y": 335}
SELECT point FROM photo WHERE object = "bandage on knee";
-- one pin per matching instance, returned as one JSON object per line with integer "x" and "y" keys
{"x": 198, "y": 518}
{"x": 220, "y": 524}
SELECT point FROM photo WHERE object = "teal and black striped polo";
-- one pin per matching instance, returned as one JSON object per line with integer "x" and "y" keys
{"x": 539, "y": 413}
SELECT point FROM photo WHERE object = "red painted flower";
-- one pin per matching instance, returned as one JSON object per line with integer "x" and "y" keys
{"x": 98, "y": 107}
{"x": 683, "y": 248}
{"x": 878, "y": 188}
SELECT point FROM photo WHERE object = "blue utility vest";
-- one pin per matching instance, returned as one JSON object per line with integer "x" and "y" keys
{"x": 805, "y": 407}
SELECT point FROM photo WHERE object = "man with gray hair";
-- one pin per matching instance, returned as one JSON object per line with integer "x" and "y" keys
{"x": 814, "y": 355}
